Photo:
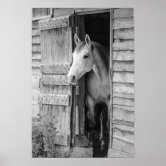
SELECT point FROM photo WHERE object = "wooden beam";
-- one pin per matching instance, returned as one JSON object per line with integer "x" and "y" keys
{"x": 36, "y": 48}
{"x": 123, "y": 101}
{"x": 123, "y": 45}
{"x": 52, "y": 99}
{"x": 124, "y": 33}
{"x": 123, "y": 95}
{"x": 123, "y": 133}
{"x": 120, "y": 114}
{"x": 36, "y": 56}
{"x": 123, "y": 23}
{"x": 34, "y": 24}
{"x": 53, "y": 23}
{"x": 123, "y": 125}
{"x": 83, "y": 11}
{"x": 113, "y": 153}
{"x": 131, "y": 141}
{"x": 123, "y": 146}
{"x": 41, "y": 18}
{"x": 35, "y": 39}
{"x": 123, "y": 55}
{"x": 123, "y": 12}
{"x": 55, "y": 68}
{"x": 128, "y": 108}
{"x": 123, "y": 88}
{"x": 54, "y": 80}
{"x": 110, "y": 75}
{"x": 123, "y": 77}
{"x": 35, "y": 32}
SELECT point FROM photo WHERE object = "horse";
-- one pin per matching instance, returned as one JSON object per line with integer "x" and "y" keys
{"x": 92, "y": 59}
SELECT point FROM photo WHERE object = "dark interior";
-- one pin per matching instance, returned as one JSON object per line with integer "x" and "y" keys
{"x": 97, "y": 26}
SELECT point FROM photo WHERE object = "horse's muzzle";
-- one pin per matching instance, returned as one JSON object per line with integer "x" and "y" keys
{"x": 72, "y": 79}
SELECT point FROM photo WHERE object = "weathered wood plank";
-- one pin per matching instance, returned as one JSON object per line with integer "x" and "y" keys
{"x": 123, "y": 23}
{"x": 124, "y": 107}
{"x": 124, "y": 77}
{"x": 36, "y": 48}
{"x": 59, "y": 12}
{"x": 123, "y": 101}
{"x": 35, "y": 96}
{"x": 124, "y": 115}
{"x": 68, "y": 120}
{"x": 123, "y": 133}
{"x": 123, "y": 88}
{"x": 35, "y": 65}
{"x": 36, "y": 71}
{"x": 54, "y": 80}
{"x": 36, "y": 56}
{"x": 124, "y": 33}
{"x": 35, "y": 81}
{"x": 131, "y": 141}
{"x": 36, "y": 40}
{"x": 123, "y": 125}
{"x": 123, "y": 55}
{"x": 123, "y": 95}
{"x": 52, "y": 99}
{"x": 55, "y": 68}
{"x": 52, "y": 23}
{"x": 123, "y": 12}
{"x": 41, "y": 18}
{"x": 34, "y": 24}
{"x": 37, "y": 12}
{"x": 91, "y": 10}
{"x": 118, "y": 154}
{"x": 35, "y": 32}
{"x": 123, "y": 146}
{"x": 61, "y": 139}
{"x": 123, "y": 45}
{"x": 56, "y": 46}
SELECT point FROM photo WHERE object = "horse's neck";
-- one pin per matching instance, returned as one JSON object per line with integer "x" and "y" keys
{"x": 99, "y": 67}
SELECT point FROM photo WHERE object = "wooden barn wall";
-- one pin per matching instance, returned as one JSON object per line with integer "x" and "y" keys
{"x": 38, "y": 12}
{"x": 123, "y": 83}
{"x": 36, "y": 58}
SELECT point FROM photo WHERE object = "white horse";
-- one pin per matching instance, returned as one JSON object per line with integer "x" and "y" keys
{"x": 92, "y": 58}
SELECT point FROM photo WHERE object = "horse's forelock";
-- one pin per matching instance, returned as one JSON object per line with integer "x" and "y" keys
{"x": 80, "y": 46}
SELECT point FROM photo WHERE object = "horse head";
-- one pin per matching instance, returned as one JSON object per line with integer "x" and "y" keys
{"x": 83, "y": 59}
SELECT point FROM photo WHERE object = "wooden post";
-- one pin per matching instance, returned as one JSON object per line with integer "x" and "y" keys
{"x": 80, "y": 31}
{"x": 111, "y": 73}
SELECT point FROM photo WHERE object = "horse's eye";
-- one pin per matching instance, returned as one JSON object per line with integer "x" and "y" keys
{"x": 86, "y": 56}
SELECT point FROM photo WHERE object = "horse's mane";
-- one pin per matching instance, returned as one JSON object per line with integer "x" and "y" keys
{"x": 102, "y": 50}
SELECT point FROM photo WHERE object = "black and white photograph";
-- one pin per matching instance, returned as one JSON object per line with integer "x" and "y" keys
{"x": 83, "y": 83}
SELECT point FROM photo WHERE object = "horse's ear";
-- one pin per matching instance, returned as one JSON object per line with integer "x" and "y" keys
{"x": 76, "y": 39}
{"x": 87, "y": 40}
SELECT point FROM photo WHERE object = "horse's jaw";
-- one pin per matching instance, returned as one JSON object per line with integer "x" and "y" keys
{"x": 96, "y": 70}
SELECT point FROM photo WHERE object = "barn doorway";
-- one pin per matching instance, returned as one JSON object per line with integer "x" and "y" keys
{"x": 97, "y": 26}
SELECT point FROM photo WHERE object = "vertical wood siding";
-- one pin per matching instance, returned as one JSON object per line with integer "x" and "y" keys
{"x": 123, "y": 83}
{"x": 36, "y": 61}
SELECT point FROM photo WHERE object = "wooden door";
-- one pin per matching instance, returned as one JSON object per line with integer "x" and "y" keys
{"x": 56, "y": 93}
